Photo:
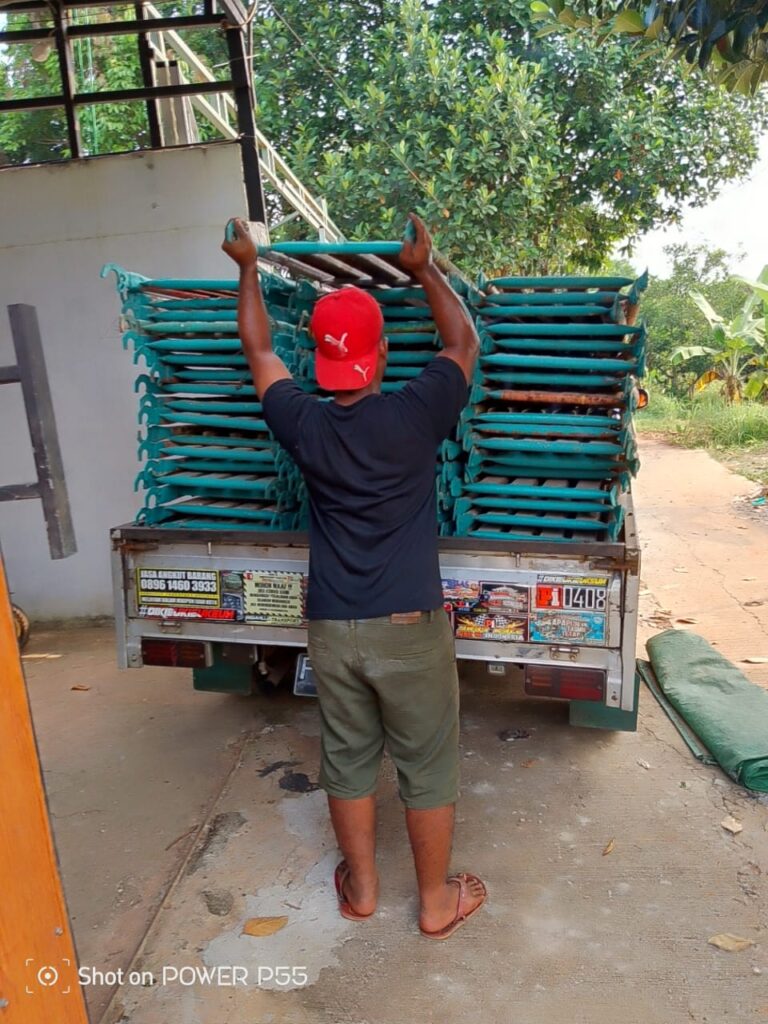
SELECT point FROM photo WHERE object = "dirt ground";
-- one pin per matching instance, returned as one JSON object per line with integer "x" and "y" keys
{"x": 179, "y": 816}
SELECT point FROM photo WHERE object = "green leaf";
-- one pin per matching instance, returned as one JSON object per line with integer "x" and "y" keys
{"x": 539, "y": 7}
{"x": 712, "y": 317}
{"x": 629, "y": 21}
{"x": 760, "y": 288}
{"x": 655, "y": 29}
{"x": 755, "y": 386}
{"x": 748, "y": 78}
{"x": 686, "y": 352}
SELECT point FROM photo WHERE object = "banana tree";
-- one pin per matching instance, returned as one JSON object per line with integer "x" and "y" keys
{"x": 758, "y": 383}
{"x": 737, "y": 351}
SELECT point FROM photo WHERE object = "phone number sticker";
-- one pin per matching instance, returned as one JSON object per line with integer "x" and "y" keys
{"x": 182, "y": 588}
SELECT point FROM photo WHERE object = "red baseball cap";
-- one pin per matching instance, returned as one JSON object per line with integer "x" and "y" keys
{"x": 347, "y": 326}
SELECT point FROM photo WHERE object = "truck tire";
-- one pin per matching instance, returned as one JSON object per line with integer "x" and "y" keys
{"x": 275, "y": 670}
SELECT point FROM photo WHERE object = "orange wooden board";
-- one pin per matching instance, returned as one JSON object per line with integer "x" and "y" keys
{"x": 38, "y": 967}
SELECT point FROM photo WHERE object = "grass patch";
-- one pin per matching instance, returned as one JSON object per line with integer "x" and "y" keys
{"x": 737, "y": 434}
{"x": 751, "y": 462}
{"x": 663, "y": 414}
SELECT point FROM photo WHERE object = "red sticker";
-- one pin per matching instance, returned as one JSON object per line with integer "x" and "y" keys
{"x": 549, "y": 597}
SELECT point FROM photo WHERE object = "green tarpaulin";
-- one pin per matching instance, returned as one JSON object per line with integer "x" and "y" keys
{"x": 721, "y": 708}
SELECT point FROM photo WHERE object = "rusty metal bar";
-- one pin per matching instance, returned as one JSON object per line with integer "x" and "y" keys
{"x": 560, "y": 397}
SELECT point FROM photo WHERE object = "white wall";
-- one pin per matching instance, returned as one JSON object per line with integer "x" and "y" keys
{"x": 160, "y": 214}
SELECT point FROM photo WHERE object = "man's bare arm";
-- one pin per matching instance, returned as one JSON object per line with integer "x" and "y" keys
{"x": 454, "y": 325}
{"x": 252, "y": 319}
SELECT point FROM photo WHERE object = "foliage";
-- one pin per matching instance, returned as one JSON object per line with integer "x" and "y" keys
{"x": 737, "y": 354}
{"x": 525, "y": 153}
{"x": 706, "y": 422}
{"x": 100, "y": 63}
{"x": 672, "y": 317}
{"x": 522, "y": 153}
{"x": 730, "y": 39}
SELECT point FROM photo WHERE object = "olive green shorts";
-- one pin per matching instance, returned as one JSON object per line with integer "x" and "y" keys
{"x": 383, "y": 683}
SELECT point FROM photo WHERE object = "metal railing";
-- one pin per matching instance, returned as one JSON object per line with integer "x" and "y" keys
{"x": 226, "y": 104}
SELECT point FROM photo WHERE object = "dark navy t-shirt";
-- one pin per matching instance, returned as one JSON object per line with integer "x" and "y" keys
{"x": 370, "y": 475}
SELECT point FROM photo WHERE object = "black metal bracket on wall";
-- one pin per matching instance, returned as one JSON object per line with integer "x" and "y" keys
{"x": 51, "y": 487}
{"x": 232, "y": 18}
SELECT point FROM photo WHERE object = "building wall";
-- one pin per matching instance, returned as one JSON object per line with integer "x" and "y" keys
{"x": 160, "y": 214}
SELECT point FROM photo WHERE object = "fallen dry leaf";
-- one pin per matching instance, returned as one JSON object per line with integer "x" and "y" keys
{"x": 79, "y": 686}
{"x": 687, "y": 620}
{"x": 748, "y": 579}
{"x": 730, "y": 943}
{"x": 39, "y": 657}
{"x": 644, "y": 764}
{"x": 731, "y": 825}
{"x": 679, "y": 568}
{"x": 529, "y": 763}
{"x": 609, "y": 847}
{"x": 260, "y": 927}
{"x": 755, "y": 661}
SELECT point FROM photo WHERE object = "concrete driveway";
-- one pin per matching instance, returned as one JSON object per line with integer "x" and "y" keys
{"x": 180, "y": 817}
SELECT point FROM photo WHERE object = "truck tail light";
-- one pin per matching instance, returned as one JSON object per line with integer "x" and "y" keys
{"x": 174, "y": 653}
{"x": 565, "y": 682}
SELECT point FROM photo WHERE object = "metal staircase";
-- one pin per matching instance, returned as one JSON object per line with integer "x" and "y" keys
{"x": 179, "y": 128}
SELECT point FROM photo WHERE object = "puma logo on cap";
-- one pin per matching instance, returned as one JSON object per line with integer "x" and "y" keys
{"x": 339, "y": 343}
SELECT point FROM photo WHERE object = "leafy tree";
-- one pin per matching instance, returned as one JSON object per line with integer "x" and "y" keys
{"x": 672, "y": 317}
{"x": 731, "y": 39}
{"x": 525, "y": 153}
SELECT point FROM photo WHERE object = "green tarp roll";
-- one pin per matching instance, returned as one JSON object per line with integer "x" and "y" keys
{"x": 727, "y": 712}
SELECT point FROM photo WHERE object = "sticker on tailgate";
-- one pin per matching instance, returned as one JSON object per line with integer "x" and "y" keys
{"x": 567, "y": 627}
{"x": 571, "y": 598}
{"x": 262, "y": 597}
{"x": 273, "y": 598}
{"x": 567, "y": 608}
{"x": 188, "y": 588}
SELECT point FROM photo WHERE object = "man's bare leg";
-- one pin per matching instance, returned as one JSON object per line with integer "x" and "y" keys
{"x": 354, "y": 822}
{"x": 431, "y": 835}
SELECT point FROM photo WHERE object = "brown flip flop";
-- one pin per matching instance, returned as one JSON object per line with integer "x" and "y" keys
{"x": 345, "y": 907}
{"x": 462, "y": 880}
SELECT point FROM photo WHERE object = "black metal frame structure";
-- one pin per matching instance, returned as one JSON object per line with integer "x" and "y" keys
{"x": 231, "y": 17}
{"x": 50, "y": 486}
